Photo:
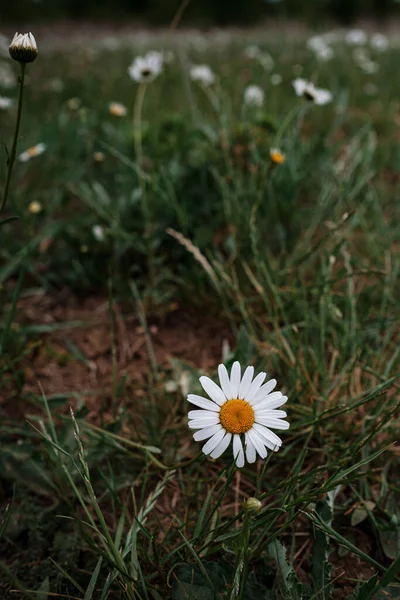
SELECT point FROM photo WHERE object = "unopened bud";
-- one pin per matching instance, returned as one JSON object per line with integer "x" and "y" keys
{"x": 23, "y": 48}
{"x": 252, "y": 506}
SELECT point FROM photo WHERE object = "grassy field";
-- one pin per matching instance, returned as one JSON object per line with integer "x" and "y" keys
{"x": 153, "y": 246}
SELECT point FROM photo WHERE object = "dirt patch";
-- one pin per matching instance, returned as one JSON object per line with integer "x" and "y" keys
{"x": 87, "y": 347}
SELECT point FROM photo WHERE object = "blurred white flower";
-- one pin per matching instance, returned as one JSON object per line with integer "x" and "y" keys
{"x": 357, "y": 37}
{"x": 307, "y": 90}
{"x": 35, "y": 207}
{"x": 276, "y": 79}
{"x": 319, "y": 46}
{"x": 360, "y": 55}
{"x": 98, "y": 233}
{"x": 5, "y": 103}
{"x": 117, "y": 110}
{"x": 242, "y": 410}
{"x": 370, "y": 67}
{"x": 32, "y": 152}
{"x": 254, "y": 96}
{"x": 252, "y": 51}
{"x": 23, "y": 47}
{"x": 7, "y": 77}
{"x": 266, "y": 61}
{"x": 379, "y": 42}
{"x": 324, "y": 53}
{"x": 202, "y": 74}
{"x": 146, "y": 68}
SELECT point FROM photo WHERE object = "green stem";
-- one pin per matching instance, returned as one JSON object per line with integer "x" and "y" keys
{"x": 11, "y": 158}
{"x": 137, "y": 123}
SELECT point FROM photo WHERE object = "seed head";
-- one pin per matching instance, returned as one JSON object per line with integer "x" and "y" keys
{"x": 23, "y": 48}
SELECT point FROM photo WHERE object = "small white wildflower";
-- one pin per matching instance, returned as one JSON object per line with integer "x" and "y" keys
{"x": 241, "y": 410}
{"x": 254, "y": 96}
{"x": 23, "y": 48}
{"x": 98, "y": 233}
{"x": 266, "y": 61}
{"x": 202, "y": 74}
{"x": 370, "y": 67}
{"x": 146, "y": 68}
{"x": 32, "y": 152}
{"x": 5, "y": 103}
{"x": 356, "y": 37}
{"x": 379, "y": 42}
{"x": 308, "y": 90}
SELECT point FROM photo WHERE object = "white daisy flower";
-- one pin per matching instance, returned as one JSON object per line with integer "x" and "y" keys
{"x": 32, "y": 152}
{"x": 254, "y": 96}
{"x": 202, "y": 74}
{"x": 23, "y": 47}
{"x": 357, "y": 37}
{"x": 241, "y": 407}
{"x": 146, "y": 68}
{"x": 5, "y": 103}
{"x": 307, "y": 90}
{"x": 379, "y": 42}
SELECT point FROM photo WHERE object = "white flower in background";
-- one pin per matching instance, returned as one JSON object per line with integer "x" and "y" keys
{"x": 320, "y": 48}
{"x": 7, "y": 77}
{"x": 23, "y": 48}
{"x": 32, "y": 152}
{"x": 5, "y": 103}
{"x": 252, "y": 51}
{"x": 146, "y": 68}
{"x": 276, "y": 79}
{"x": 357, "y": 37}
{"x": 98, "y": 233}
{"x": 240, "y": 408}
{"x": 202, "y": 74}
{"x": 266, "y": 61}
{"x": 307, "y": 90}
{"x": 117, "y": 110}
{"x": 370, "y": 67}
{"x": 379, "y": 42}
{"x": 360, "y": 55}
{"x": 254, "y": 96}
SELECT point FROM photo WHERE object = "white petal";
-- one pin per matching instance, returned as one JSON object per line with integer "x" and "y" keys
{"x": 213, "y": 390}
{"x": 213, "y": 441}
{"x": 205, "y": 433}
{"x": 203, "y": 402}
{"x": 271, "y": 397}
{"x": 263, "y": 433}
{"x": 272, "y": 403}
{"x": 257, "y": 442}
{"x": 235, "y": 379}
{"x": 246, "y": 382}
{"x": 255, "y": 386}
{"x": 267, "y": 434}
{"x": 222, "y": 446}
{"x": 200, "y": 423}
{"x": 274, "y": 423}
{"x": 263, "y": 391}
{"x": 238, "y": 453}
{"x": 250, "y": 449}
{"x": 274, "y": 414}
{"x": 224, "y": 381}
{"x": 200, "y": 414}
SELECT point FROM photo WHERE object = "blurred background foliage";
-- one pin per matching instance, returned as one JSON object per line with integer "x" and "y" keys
{"x": 199, "y": 12}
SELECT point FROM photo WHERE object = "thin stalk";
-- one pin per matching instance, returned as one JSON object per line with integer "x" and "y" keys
{"x": 12, "y": 155}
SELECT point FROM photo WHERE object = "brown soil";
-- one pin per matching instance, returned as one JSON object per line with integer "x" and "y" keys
{"x": 89, "y": 349}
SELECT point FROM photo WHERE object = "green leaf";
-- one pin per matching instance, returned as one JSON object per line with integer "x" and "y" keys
{"x": 93, "y": 580}
{"x": 286, "y": 576}
{"x": 43, "y": 591}
{"x": 360, "y": 513}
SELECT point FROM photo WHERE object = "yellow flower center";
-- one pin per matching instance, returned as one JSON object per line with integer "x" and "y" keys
{"x": 277, "y": 157}
{"x": 33, "y": 151}
{"x": 236, "y": 416}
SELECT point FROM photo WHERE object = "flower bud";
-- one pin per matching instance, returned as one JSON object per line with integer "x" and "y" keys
{"x": 252, "y": 506}
{"x": 23, "y": 48}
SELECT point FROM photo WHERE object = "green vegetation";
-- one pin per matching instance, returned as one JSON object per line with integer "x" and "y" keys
{"x": 149, "y": 249}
